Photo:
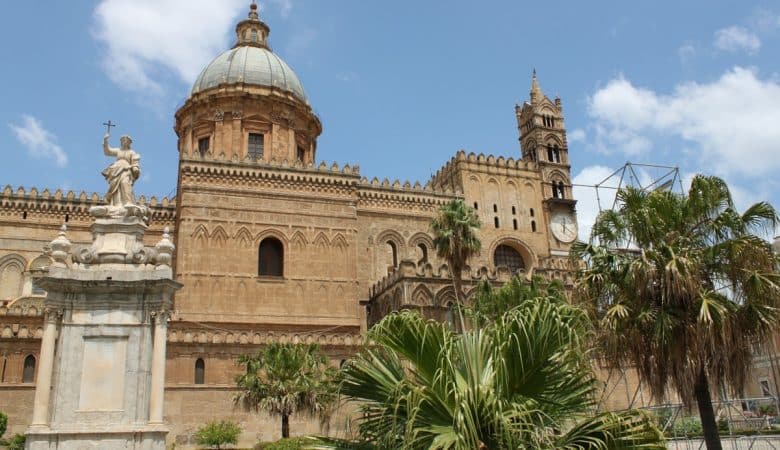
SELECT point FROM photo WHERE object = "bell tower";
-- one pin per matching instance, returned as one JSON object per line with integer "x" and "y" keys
{"x": 542, "y": 130}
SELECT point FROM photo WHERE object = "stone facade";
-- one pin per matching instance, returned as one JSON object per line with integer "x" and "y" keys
{"x": 272, "y": 245}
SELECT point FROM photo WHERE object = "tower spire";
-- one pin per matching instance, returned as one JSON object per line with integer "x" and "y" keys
{"x": 536, "y": 91}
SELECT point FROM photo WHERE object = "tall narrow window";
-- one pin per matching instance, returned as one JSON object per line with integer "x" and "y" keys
{"x": 514, "y": 224}
{"x": 495, "y": 221}
{"x": 255, "y": 145}
{"x": 533, "y": 226}
{"x": 514, "y": 210}
{"x": 200, "y": 371}
{"x": 28, "y": 375}
{"x": 555, "y": 189}
{"x": 561, "y": 190}
{"x": 495, "y": 207}
{"x": 253, "y": 35}
{"x": 476, "y": 205}
{"x": 393, "y": 253}
{"x": 271, "y": 258}
{"x": 423, "y": 253}
{"x": 203, "y": 146}
{"x": 532, "y": 212}
{"x": 557, "y": 153}
{"x": 301, "y": 154}
{"x": 549, "y": 153}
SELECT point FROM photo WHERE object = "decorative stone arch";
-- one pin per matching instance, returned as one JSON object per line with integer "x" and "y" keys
{"x": 201, "y": 233}
{"x": 39, "y": 263}
{"x": 298, "y": 241}
{"x": 12, "y": 268}
{"x": 553, "y": 139}
{"x": 274, "y": 266}
{"x": 272, "y": 232}
{"x": 219, "y": 236}
{"x": 339, "y": 242}
{"x": 422, "y": 296}
{"x": 320, "y": 240}
{"x": 391, "y": 236}
{"x": 415, "y": 242}
{"x": 529, "y": 257}
{"x": 244, "y": 237}
{"x": 445, "y": 296}
{"x": 557, "y": 175}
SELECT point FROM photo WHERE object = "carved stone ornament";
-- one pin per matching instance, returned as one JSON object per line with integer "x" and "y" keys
{"x": 219, "y": 115}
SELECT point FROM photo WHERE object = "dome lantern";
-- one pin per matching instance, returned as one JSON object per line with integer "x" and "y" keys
{"x": 252, "y": 31}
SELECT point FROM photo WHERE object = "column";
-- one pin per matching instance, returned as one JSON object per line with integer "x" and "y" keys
{"x": 157, "y": 398}
{"x": 45, "y": 367}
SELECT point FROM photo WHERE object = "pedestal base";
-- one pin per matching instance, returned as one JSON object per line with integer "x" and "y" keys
{"x": 118, "y": 438}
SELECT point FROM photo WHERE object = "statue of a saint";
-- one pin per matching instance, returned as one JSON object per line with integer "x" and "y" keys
{"x": 122, "y": 173}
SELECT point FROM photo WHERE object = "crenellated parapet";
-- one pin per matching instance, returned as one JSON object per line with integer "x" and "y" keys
{"x": 273, "y": 175}
{"x": 193, "y": 333}
{"x": 76, "y": 205}
{"x": 396, "y": 195}
{"x": 447, "y": 176}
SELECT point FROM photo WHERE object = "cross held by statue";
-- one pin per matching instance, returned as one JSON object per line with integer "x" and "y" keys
{"x": 108, "y": 125}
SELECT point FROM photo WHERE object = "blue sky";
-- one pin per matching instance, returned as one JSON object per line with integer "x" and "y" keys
{"x": 401, "y": 86}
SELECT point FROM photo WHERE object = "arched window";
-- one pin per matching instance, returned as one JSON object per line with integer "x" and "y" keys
{"x": 561, "y": 190}
{"x": 200, "y": 371}
{"x": 557, "y": 153}
{"x": 271, "y": 258}
{"x": 393, "y": 253}
{"x": 509, "y": 257}
{"x": 549, "y": 152}
{"x": 423, "y": 253}
{"x": 28, "y": 376}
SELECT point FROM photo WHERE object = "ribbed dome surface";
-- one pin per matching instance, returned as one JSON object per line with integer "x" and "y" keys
{"x": 250, "y": 65}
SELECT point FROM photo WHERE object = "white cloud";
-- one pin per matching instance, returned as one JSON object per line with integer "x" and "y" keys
{"x": 576, "y": 135}
{"x": 730, "y": 123}
{"x": 147, "y": 41}
{"x": 588, "y": 198}
{"x": 39, "y": 142}
{"x": 285, "y": 6}
{"x": 686, "y": 52}
{"x": 736, "y": 38}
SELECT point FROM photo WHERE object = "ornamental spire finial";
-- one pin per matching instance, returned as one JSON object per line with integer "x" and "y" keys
{"x": 252, "y": 31}
{"x": 536, "y": 91}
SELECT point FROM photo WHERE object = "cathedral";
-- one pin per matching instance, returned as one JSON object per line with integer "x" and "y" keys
{"x": 273, "y": 245}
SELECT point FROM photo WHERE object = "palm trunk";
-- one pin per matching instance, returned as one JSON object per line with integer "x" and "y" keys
{"x": 285, "y": 426}
{"x": 458, "y": 285}
{"x": 706, "y": 413}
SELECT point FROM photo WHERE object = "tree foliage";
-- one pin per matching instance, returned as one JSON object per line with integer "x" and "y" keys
{"x": 522, "y": 381}
{"x": 218, "y": 433}
{"x": 284, "y": 379}
{"x": 681, "y": 287}
{"x": 455, "y": 238}
{"x": 490, "y": 304}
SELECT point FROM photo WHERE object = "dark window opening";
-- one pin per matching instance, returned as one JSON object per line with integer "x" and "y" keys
{"x": 24, "y": 215}
{"x": 476, "y": 206}
{"x": 765, "y": 391}
{"x": 514, "y": 224}
{"x": 495, "y": 221}
{"x": 255, "y": 145}
{"x": 557, "y": 154}
{"x": 36, "y": 288}
{"x": 301, "y": 154}
{"x": 28, "y": 375}
{"x": 423, "y": 254}
{"x": 532, "y": 212}
{"x": 271, "y": 258}
{"x": 495, "y": 207}
{"x": 200, "y": 371}
{"x": 67, "y": 217}
{"x": 549, "y": 153}
{"x": 533, "y": 226}
{"x": 393, "y": 252}
{"x": 514, "y": 210}
{"x": 561, "y": 190}
{"x": 508, "y": 257}
{"x": 203, "y": 146}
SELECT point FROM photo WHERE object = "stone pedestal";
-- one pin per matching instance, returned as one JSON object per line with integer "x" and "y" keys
{"x": 100, "y": 378}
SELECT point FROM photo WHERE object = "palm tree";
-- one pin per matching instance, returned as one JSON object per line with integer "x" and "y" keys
{"x": 286, "y": 378}
{"x": 455, "y": 238}
{"x": 681, "y": 287}
{"x": 522, "y": 382}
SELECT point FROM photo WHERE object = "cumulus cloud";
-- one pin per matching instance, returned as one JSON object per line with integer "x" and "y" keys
{"x": 147, "y": 41}
{"x": 39, "y": 142}
{"x": 576, "y": 135}
{"x": 735, "y": 38}
{"x": 588, "y": 204}
{"x": 730, "y": 124}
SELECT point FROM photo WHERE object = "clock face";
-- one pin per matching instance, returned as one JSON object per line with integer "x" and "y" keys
{"x": 564, "y": 226}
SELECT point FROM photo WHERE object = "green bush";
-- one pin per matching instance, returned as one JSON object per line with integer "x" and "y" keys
{"x": 16, "y": 442}
{"x": 283, "y": 444}
{"x": 218, "y": 433}
{"x": 3, "y": 423}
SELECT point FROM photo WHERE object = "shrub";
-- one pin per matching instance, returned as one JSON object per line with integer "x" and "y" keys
{"x": 283, "y": 444}
{"x": 16, "y": 442}
{"x": 218, "y": 433}
{"x": 3, "y": 423}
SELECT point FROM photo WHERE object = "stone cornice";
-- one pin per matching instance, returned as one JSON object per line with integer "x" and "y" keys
{"x": 490, "y": 164}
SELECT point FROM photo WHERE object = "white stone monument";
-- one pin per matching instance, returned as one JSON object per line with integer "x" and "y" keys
{"x": 102, "y": 364}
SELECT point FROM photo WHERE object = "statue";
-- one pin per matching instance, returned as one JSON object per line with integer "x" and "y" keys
{"x": 122, "y": 173}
